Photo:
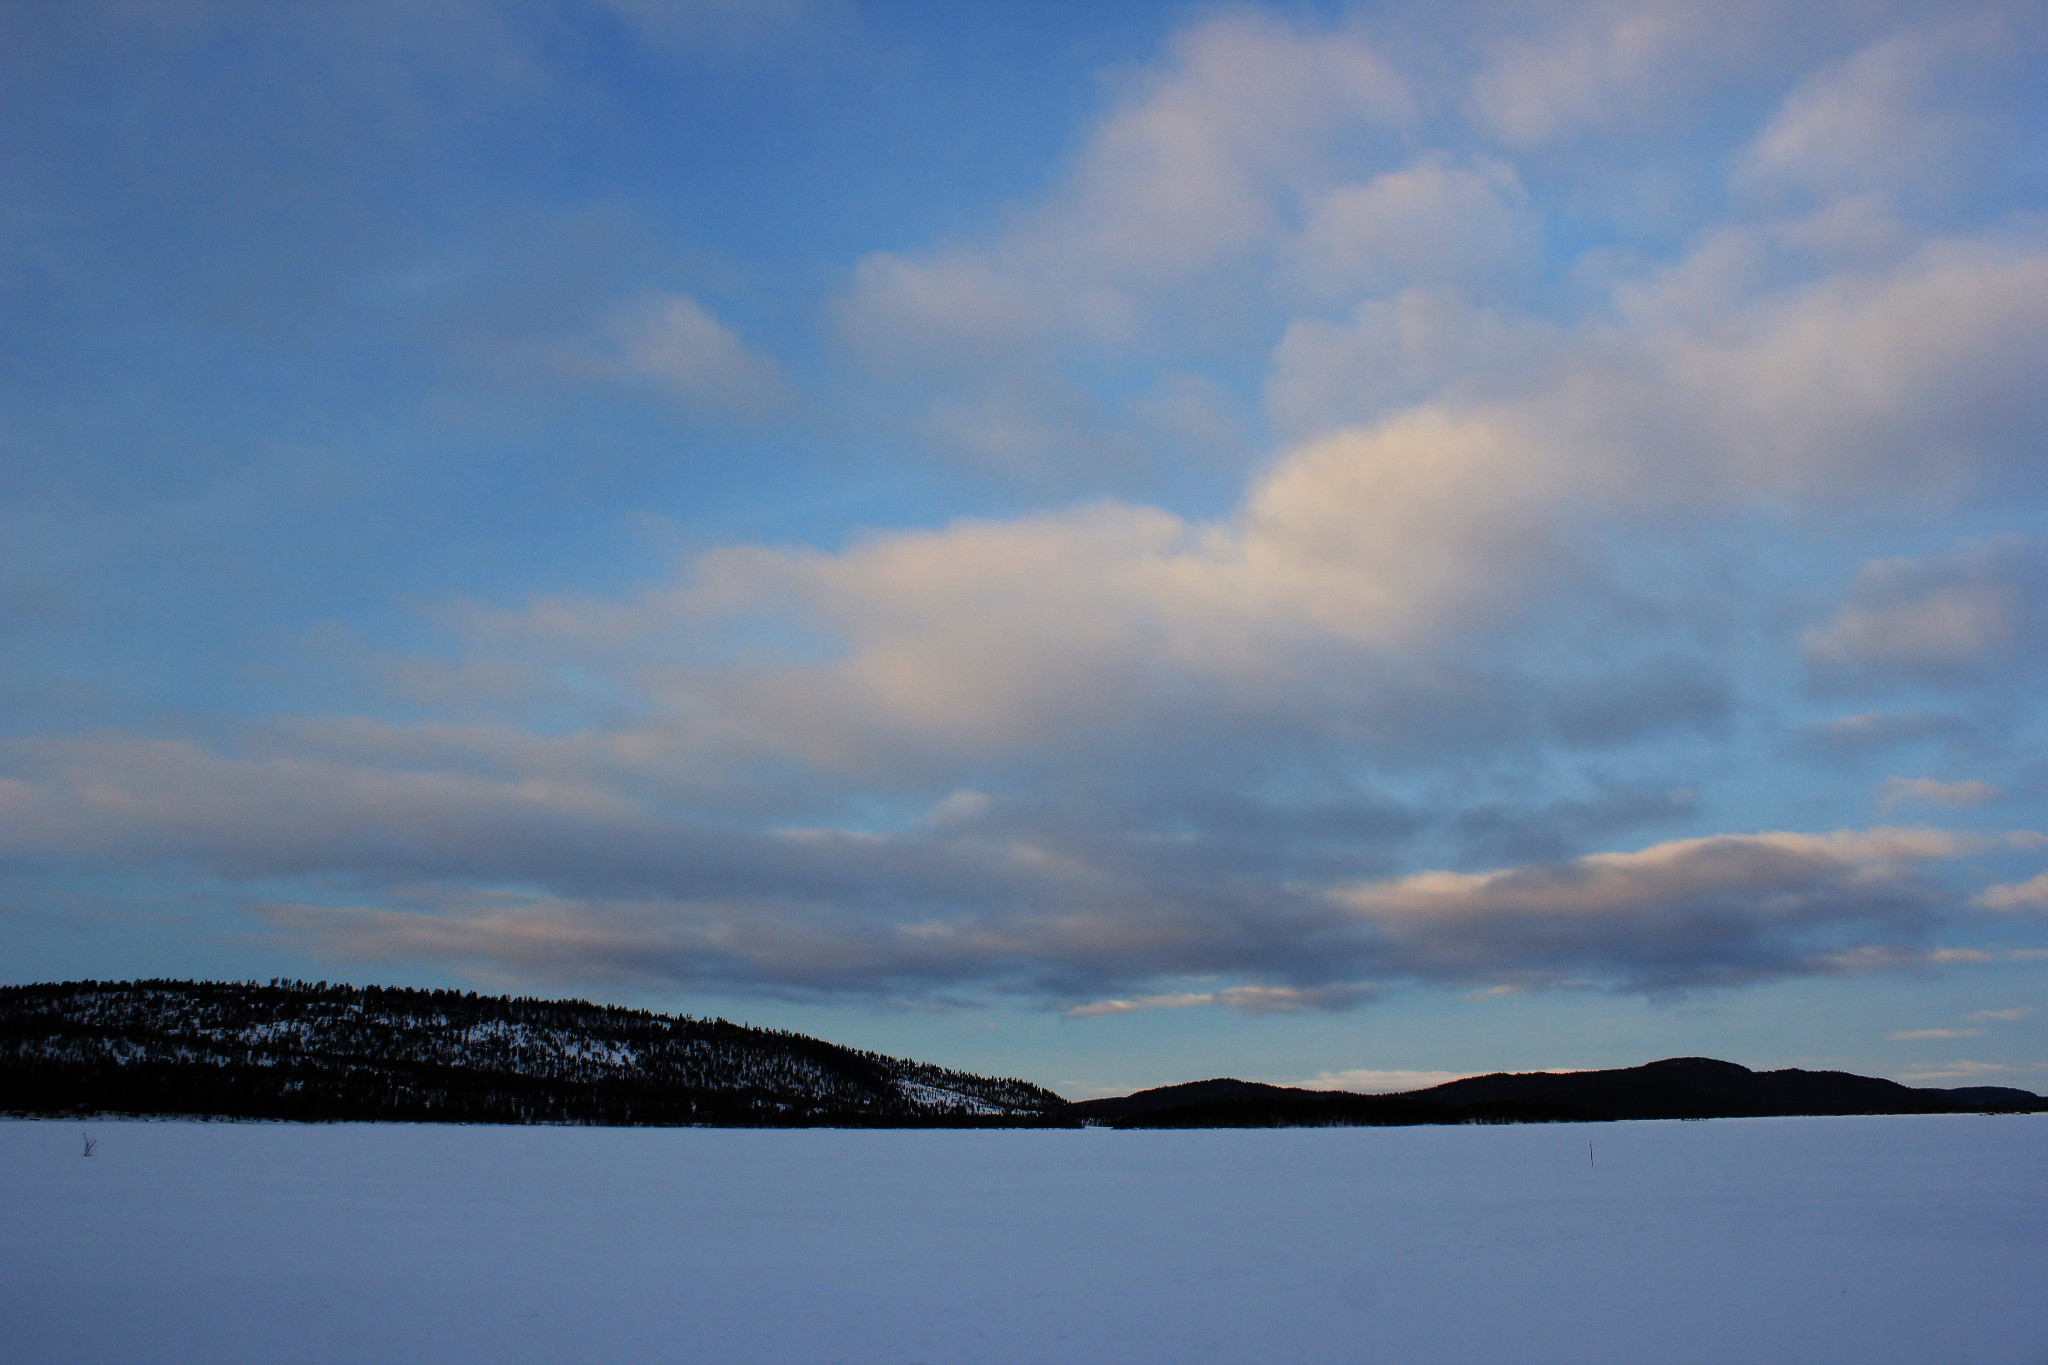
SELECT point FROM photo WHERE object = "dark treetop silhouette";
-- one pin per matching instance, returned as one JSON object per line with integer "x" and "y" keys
{"x": 314, "y": 1051}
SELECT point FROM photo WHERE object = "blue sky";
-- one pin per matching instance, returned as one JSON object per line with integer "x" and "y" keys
{"x": 1335, "y": 544}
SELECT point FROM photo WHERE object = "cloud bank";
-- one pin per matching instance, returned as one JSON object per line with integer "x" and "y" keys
{"x": 1573, "y": 494}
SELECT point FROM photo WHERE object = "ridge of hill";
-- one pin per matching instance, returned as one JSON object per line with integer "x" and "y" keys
{"x": 1675, "y": 1088}
{"x": 320, "y": 1052}
{"x": 314, "y": 1051}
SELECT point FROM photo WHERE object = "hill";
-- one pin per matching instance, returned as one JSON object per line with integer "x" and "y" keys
{"x": 314, "y": 1051}
{"x": 1677, "y": 1088}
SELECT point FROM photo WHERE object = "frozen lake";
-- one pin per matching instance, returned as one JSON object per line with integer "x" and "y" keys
{"x": 1920, "y": 1240}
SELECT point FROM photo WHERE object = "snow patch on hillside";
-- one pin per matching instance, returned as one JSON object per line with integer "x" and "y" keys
{"x": 946, "y": 1101}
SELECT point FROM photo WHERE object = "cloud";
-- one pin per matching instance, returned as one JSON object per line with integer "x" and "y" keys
{"x": 1423, "y": 343}
{"x": 1497, "y": 832}
{"x": 2031, "y": 894}
{"x": 974, "y": 895}
{"x": 1881, "y": 120}
{"x": 1597, "y": 65}
{"x": 1873, "y": 959}
{"x": 1244, "y": 999}
{"x": 1179, "y": 177}
{"x": 830, "y": 912}
{"x": 2002, "y": 1016}
{"x": 1897, "y": 791}
{"x": 1875, "y": 730}
{"x": 1484, "y": 604}
{"x": 1967, "y": 1072}
{"x": 1369, "y": 1082}
{"x": 983, "y": 636}
{"x": 1916, "y": 379}
{"x": 670, "y": 344}
{"x": 1190, "y": 179}
{"x": 1866, "y": 385}
{"x": 1689, "y": 912}
{"x": 1965, "y": 618}
{"x": 1914, "y": 1035}
{"x": 1431, "y": 222}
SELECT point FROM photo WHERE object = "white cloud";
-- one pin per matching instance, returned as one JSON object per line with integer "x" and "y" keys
{"x": 1897, "y": 791}
{"x": 1603, "y": 67}
{"x": 985, "y": 635}
{"x": 672, "y": 344}
{"x": 1609, "y": 883}
{"x": 2002, "y": 1016}
{"x": 2031, "y": 894}
{"x": 962, "y": 807}
{"x": 1945, "y": 626}
{"x": 1244, "y": 999}
{"x": 1876, "y": 121}
{"x": 1915, "y": 1035}
{"x": 1916, "y": 379}
{"x": 1186, "y": 184}
{"x": 1180, "y": 176}
{"x": 1421, "y": 345}
{"x": 1431, "y": 222}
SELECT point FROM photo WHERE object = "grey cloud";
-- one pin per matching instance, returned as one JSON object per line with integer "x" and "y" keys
{"x": 1673, "y": 693}
{"x": 1495, "y": 834}
{"x": 1700, "y": 912}
{"x": 1875, "y": 731}
{"x": 1694, "y": 914}
{"x": 1970, "y": 618}
{"x": 1075, "y": 950}
{"x": 1069, "y": 895}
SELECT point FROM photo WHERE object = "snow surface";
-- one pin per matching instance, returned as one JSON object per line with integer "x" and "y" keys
{"x": 1866, "y": 1240}
{"x": 947, "y": 1101}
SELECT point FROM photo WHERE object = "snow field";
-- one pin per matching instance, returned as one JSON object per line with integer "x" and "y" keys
{"x": 1867, "y": 1240}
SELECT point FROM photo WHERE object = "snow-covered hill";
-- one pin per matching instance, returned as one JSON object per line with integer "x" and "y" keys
{"x": 293, "y": 1049}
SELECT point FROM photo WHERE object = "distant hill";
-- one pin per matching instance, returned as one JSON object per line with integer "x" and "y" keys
{"x": 1678, "y": 1088}
{"x": 320, "y": 1052}
{"x": 294, "y": 1050}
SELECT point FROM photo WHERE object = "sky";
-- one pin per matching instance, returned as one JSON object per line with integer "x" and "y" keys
{"x": 1339, "y": 545}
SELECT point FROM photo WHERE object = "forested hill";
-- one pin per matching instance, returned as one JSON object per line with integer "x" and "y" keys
{"x": 314, "y": 1051}
{"x": 299, "y": 1050}
{"x": 1676, "y": 1088}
